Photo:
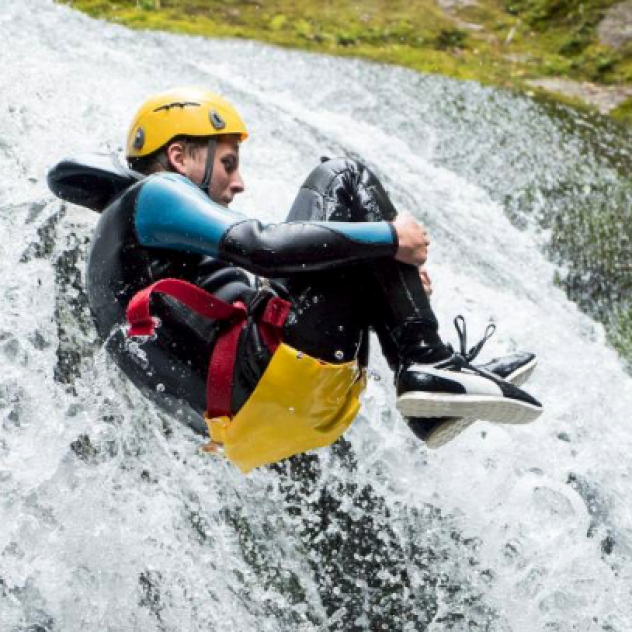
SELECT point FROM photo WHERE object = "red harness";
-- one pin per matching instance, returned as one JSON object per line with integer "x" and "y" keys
{"x": 219, "y": 382}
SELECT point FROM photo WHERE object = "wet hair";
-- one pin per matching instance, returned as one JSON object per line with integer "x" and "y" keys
{"x": 159, "y": 160}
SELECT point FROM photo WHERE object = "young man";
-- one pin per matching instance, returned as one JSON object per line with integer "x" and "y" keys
{"x": 287, "y": 350}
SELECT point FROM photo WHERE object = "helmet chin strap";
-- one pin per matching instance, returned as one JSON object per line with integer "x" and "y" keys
{"x": 208, "y": 170}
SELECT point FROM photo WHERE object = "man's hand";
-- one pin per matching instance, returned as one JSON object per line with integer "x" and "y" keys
{"x": 413, "y": 240}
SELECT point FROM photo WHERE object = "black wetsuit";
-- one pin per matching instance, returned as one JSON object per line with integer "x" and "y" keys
{"x": 333, "y": 259}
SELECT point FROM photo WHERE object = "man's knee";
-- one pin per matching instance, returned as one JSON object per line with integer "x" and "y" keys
{"x": 334, "y": 173}
{"x": 342, "y": 190}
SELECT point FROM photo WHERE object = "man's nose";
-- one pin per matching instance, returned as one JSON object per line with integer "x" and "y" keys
{"x": 237, "y": 183}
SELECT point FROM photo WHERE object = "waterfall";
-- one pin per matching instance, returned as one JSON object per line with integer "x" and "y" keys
{"x": 111, "y": 517}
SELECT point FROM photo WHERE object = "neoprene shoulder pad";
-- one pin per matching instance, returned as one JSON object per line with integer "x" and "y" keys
{"x": 92, "y": 180}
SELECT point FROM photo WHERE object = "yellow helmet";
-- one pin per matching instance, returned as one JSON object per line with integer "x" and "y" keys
{"x": 182, "y": 111}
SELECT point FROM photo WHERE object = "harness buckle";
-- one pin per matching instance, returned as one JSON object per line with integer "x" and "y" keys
{"x": 257, "y": 304}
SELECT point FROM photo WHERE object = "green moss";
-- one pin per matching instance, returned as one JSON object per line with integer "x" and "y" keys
{"x": 623, "y": 112}
{"x": 421, "y": 36}
{"x": 568, "y": 28}
{"x": 577, "y": 17}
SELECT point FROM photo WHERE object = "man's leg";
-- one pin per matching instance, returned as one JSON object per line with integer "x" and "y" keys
{"x": 386, "y": 295}
{"x": 333, "y": 311}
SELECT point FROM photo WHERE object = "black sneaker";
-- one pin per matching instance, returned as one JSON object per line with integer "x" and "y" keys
{"x": 516, "y": 368}
{"x": 455, "y": 388}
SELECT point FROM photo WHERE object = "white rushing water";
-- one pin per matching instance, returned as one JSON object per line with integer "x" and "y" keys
{"x": 112, "y": 519}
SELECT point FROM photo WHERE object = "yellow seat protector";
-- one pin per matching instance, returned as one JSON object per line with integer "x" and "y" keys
{"x": 299, "y": 404}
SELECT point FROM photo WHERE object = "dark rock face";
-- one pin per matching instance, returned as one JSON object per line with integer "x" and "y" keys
{"x": 77, "y": 339}
{"x": 65, "y": 244}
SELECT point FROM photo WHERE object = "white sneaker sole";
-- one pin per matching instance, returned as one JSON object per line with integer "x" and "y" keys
{"x": 452, "y": 428}
{"x": 487, "y": 407}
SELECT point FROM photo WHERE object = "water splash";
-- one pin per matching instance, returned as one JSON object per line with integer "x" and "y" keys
{"x": 113, "y": 518}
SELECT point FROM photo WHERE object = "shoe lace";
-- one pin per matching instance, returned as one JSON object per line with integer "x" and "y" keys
{"x": 470, "y": 354}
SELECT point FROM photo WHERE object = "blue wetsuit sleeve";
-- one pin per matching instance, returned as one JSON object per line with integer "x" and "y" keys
{"x": 172, "y": 213}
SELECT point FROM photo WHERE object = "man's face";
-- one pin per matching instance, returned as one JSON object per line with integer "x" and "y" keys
{"x": 226, "y": 181}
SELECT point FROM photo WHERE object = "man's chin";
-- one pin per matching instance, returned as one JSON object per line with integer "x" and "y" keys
{"x": 221, "y": 201}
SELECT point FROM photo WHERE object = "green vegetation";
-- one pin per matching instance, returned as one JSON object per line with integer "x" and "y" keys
{"x": 503, "y": 43}
{"x": 566, "y": 32}
{"x": 623, "y": 112}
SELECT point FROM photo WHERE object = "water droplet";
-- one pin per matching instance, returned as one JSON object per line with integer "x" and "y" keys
{"x": 339, "y": 355}
{"x": 291, "y": 409}
{"x": 160, "y": 388}
{"x": 299, "y": 355}
{"x": 341, "y": 328}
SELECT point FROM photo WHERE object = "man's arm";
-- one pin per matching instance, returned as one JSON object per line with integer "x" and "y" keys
{"x": 172, "y": 213}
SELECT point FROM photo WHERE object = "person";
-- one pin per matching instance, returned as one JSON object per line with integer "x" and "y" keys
{"x": 273, "y": 365}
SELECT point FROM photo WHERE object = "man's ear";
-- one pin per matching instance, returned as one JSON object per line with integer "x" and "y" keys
{"x": 176, "y": 155}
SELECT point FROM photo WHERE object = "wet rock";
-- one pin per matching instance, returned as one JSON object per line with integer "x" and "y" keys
{"x": 74, "y": 324}
{"x": 83, "y": 448}
{"x": 599, "y": 510}
{"x": 150, "y": 587}
{"x": 615, "y": 30}
{"x": 35, "y": 210}
{"x": 44, "y": 244}
{"x": 451, "y": 8}
{"x": 604, "y": 98}
{"x": 450, "y": 5}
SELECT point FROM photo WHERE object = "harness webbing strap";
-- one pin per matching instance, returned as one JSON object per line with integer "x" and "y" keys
{"x": 222, "y": 362}
{"x": 219, "y": 381}
{"x": 195, "y": 298}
